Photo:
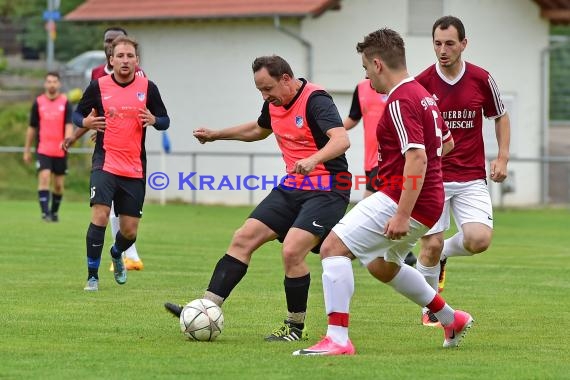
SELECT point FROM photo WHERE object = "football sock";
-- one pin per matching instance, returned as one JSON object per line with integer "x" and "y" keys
{"x": 297, "y": 293}
{"x": 132, "y": 253}
{"x": 94, "y": 241}
{"x": 431, "y": 274}
{"x": 338, "y": 287}
{"x": 454, "y": 247}
{"x": 43, "y": 196}
{"x": 55, "y": 202}
{"x": 121, "y": 245}
{"x": 114, "y": 221}
{"x": 443, "y": 312}
{"x": 227, "y": 274}
{"x": 412, "y": 285}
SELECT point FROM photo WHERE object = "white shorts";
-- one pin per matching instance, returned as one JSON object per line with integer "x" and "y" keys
{"x": 362, "y": 231}
{"x": 468, "y": 201}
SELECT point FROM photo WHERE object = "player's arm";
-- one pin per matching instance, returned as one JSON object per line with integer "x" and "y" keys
{"x": 250, "y": 131}
{"x": 155, "y": 113}
{"x": 355, "y": 113}
{"x": 31, "y": 132}
{"x": 89, "y": 107}
{"x": 338, "y": 144}
{"x": 503, "y": 134}
{"x": 414, "y": 173}
{"x": 322, "y": 112}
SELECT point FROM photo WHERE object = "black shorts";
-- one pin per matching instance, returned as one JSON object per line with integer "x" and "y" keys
{"x": 56, "y": 165}
{"x": 126, "y": 193}
{"x": 316, "y": 212}
{"x": 373, "y": 183}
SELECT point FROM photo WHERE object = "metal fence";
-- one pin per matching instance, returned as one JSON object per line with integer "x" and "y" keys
{"x": 554, "y": 173}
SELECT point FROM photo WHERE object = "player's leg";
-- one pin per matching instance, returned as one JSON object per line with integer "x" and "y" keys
{"x": 128, "y": 203}
{"x": 102, "y": 189}
{"x": 44, "y": 178}
{"x": 59, "y": 171}
{"x": 297, "y": 281}
{"x": 473, "y": 213}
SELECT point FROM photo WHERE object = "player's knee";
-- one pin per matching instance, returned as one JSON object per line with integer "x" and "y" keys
{"x": 430, "y": 251}
{"x": 477, "y": 245}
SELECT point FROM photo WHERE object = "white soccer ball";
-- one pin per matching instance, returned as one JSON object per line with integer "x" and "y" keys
{"x": 201, "y": 320}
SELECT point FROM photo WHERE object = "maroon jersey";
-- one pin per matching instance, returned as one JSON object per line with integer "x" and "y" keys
{"x": 412, "y": 120}
{"x": 463, "y": 102}
{"x": 102, "y": 70}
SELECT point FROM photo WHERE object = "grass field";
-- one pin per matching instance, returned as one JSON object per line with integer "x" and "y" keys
{"x": 518, "y": 293}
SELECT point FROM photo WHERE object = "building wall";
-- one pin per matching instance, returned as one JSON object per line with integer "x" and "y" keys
{"x": 204, "y": 72}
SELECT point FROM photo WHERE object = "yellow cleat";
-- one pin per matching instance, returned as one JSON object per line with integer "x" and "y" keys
{"x": 441, "y": 282}
{"x": 134, "y": 264}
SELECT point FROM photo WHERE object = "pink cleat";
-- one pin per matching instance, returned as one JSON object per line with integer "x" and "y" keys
{"x": 327, "y": 347}
{"x": 455, "y": 332}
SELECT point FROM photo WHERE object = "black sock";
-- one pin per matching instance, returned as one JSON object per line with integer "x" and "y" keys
{"x": 121, "y": 245}
{"x": 227, "y": 274}
{"x": 43, "y": 196}
{"x": 94, "y": 240}
{"x": 55, "y": 202}
{"x": 297, "y": 293}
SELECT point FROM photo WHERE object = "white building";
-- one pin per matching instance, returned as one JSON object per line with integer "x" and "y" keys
{"x": 200, "y": 53}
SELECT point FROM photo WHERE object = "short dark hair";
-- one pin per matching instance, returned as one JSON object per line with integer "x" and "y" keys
{"x": 115, "y": 29}
{"x": 386, "y": 44}
{"x": 52, "y": 74}
{"x": 125, "y": 40}
{"x": 447, "y": 21}
{"x": 275, "y": 65}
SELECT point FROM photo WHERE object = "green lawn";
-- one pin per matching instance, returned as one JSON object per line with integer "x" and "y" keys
{"x": 518, "y": 293}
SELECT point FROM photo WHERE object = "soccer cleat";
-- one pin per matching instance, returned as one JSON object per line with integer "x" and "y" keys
{"x": 131, "y": 264}
{"x": 441, "y": 283}
{"x": 287, "y": 332}
{"x": 410, "y": 259}
{"x": 46, "y": 218}
{"x": 92, "y": 285}
{"x": 111, "y": 267}
{"x": 455, "y": 332}
{"x": 327, "y": 347}
{"x": 54, "y": 218}
{"x": 173, "y": 309}
{"x": 429, "y": 319}
{"x": 119, "y": 270}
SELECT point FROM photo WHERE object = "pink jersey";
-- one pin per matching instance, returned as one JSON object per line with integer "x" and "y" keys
{"x": 372, "y": 106}
{"x": 463, "y": 102}
{"x": 412, "y": 120}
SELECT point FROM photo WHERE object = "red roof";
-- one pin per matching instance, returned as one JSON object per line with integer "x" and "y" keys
{"x": 132, "y": 10}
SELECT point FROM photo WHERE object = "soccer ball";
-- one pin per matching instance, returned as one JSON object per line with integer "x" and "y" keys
{"x": 201, "y": 320}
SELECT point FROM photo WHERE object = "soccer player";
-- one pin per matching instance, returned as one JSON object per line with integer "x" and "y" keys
{"x": 464, "y": 93}
{"x": 301, "y": 210}
{"x": 368, "y": 105}
{"x": 132, "y": 259}
{"x": 382, "y": 228}
{"x": 50, "y": 123}
{"x": 119, "y": 107}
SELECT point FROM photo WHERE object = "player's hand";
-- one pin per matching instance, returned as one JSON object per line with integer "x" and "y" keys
{"x": 304, "y": 166}
{"x": 397, "y": 227}
{"x": 92, "y": 121}
{"x": 204, "y": 135}
{"x": 498, "y": 170}
{"x": 27, "y": 157}
{"x": 147, "y": 118}
{"x": 66, "y": 143}
{"x": 93, "y": 137}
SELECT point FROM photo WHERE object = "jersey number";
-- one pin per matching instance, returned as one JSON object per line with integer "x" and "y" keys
{"x": 438, "y": 133}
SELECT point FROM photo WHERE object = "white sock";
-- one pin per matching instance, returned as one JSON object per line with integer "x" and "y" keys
{"x": 454, "y": 247}
{"x": 431, "y": 274}
{"x": 446, "y": 315}
{"x": 130, "y": 253}
{"x": 412, "y": 285}
{"x": 338, "y": 287}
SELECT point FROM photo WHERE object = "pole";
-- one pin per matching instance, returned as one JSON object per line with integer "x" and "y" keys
{"x": 49, "y": 34}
